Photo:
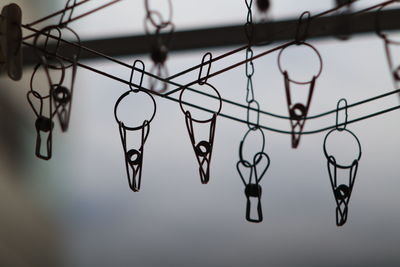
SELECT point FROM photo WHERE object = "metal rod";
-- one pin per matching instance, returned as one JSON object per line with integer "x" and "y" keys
{"x": 320, "y": 27}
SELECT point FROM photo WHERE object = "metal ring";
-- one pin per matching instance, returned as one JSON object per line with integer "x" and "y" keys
{"x": 122, "y": 97}
{"x": 246, "y": 162}
{"x": 197, "y": 120}
{"x": 319, "y": 58}
{"x": 328, "y": 156}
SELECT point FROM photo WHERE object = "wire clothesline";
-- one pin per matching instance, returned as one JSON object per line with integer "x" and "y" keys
{"x": 180, "y": 87}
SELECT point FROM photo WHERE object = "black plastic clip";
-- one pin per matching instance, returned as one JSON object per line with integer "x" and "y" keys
{"x": 42, "y": 106}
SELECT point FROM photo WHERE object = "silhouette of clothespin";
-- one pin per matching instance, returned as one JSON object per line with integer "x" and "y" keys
{"x": 42, "y": 106}
{"x": 11, "y": 41}
{"x": 134, "y": 155}
{"x": 298, "y": 111}
{"x": 253, "y": 188}
{"x": 341, "y": 191}
{"x": 251, "y": 173}
{"x": 203, "y": 149}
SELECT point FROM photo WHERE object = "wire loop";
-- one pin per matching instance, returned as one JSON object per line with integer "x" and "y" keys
{"x": 141, "y": 70}
{"x": 302, "y": 34}
{"x": 341, "y": 126}
{"x": 203, "y": 78}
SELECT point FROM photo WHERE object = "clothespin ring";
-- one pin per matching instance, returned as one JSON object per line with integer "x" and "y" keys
{"x": 141, "y": 69}
{"x": 341, "y": 126}
{"x": 203, "y": 78}
{"x": 256, "y": 160}
{"x": 302, "y": 27}
{"x": 283, "y": 70}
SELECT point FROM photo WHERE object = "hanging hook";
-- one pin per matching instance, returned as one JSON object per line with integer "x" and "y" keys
{"x": 203, "y": 79}
{"x": 302, "y": 34}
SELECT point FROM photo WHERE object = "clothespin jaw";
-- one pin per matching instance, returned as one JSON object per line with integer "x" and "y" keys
{"x": 133, "y": 154}
{"x": 202, "y": 149}
{"x": 253, "y": 191}
{"x": 11, "y": 41}
{"x": 44, "y": 126}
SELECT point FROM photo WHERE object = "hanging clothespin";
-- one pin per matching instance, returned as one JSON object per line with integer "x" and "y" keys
{"x": 202, "y": 149}
{"x": 159, "y": 41}
{"x": 134, "y": 154}
{"x": 11, "y": 41}
{"x": 341, "y": 190}
{"x": 298, "y": 111}
{"x": 255, "y": 170}
{"x": 41, "y": 103}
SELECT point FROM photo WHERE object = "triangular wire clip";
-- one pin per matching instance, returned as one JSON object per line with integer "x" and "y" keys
{"x": 134, "y": 157}
{"x": 298, "y": 112}
{"x": 202, "y": 149}
{"x": 341, "y": 192}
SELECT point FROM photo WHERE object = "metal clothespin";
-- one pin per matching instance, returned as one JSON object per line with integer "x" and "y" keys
{"x": 341, "y": 191}
{"x": 134, "y": 154}
{"x": 203, "y": 148}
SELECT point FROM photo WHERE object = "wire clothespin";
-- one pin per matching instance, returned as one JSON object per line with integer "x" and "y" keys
{"x": 62, "y": 93}
{"x": 344, "y": 9}
{"x": 394, "y": 67}
{"x": 42, "y": 105}
{"x": 202, "y": 149}
{"x": 11, "y": 41}
{"x": 341, "y": 191}
{"x": 298, "y": 111}
{"x": 134, "y": 154}
{"x": 159, "y": 42}
{"x": 255, "y": 170}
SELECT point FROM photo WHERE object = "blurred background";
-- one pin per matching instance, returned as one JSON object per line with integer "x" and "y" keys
{"x": 77, "y": 210}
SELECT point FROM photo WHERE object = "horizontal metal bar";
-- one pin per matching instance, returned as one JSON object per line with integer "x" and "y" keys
{"x": 328, "y": 26}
